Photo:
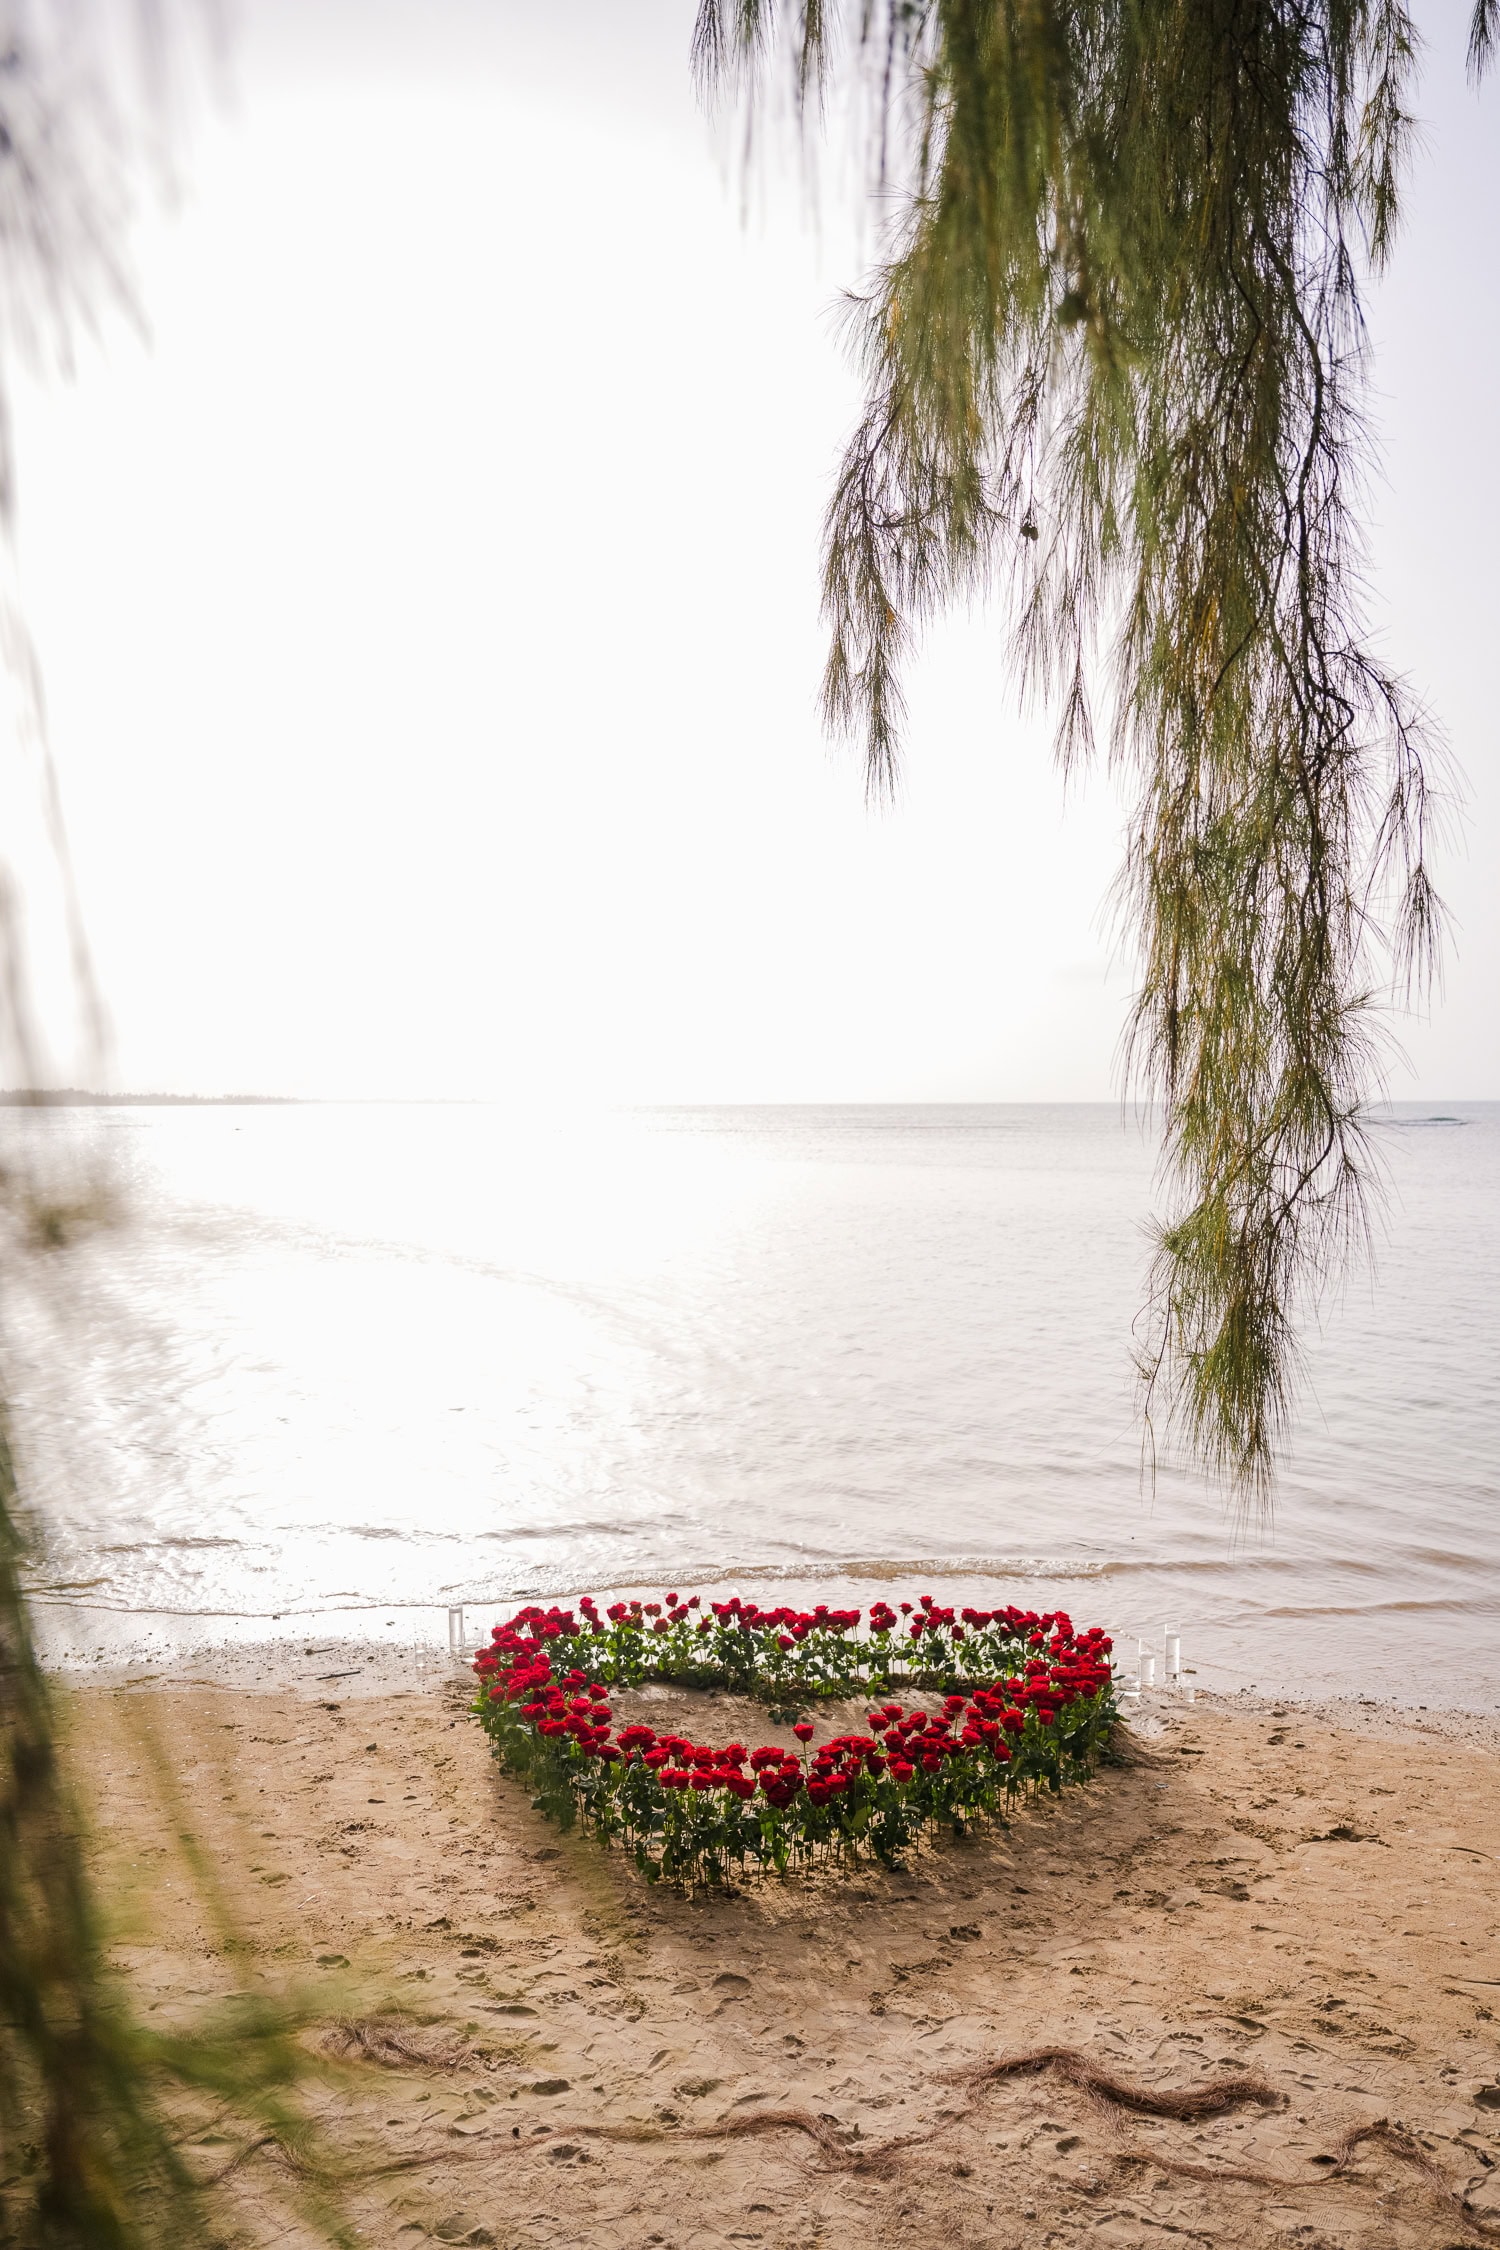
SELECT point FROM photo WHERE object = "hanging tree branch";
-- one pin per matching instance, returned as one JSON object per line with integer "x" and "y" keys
{"x": 1114, "y": 367}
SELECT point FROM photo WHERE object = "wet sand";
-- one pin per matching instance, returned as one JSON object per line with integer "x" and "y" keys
{"x": 1308, "y": 1896}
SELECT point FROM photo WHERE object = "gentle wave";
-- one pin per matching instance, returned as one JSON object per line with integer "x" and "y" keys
{"x": 1433, "y": 1606}
{"x": 1416, "y": 1124}
{"x": 880, "y": 1569}
{"x": 884, "y": 1570}
{"x": 169, "y": 1545}
{"x": 1249, "y": 1566}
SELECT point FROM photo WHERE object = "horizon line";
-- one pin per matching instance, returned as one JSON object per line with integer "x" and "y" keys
{"x": 75, "y": 1097}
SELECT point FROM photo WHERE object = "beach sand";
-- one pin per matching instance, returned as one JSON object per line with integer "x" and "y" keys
{"x": 1308, "y": 1895}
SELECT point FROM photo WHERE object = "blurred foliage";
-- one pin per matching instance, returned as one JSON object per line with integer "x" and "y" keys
{"x": 93, "y": 2102}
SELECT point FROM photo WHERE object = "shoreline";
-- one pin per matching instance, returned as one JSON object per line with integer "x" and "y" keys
{"x": 1432, "y": 1664}
{"x": 357, "y": 1667}
{"x": 1289, "y": 1900}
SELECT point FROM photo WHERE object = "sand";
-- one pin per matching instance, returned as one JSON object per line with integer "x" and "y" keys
{"x": 1307, "y": 1896}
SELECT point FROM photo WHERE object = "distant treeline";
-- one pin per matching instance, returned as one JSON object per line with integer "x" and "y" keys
{"x": 76, "y": 1097}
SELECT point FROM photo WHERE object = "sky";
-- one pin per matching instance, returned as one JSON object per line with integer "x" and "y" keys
{"x": 428, "y": 614}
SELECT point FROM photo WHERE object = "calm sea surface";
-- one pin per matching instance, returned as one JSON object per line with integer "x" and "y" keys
{"x": 376, "y": 1360}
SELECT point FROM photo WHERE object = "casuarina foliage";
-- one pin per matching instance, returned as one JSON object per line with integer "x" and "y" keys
{"x": 1115, "y": 369}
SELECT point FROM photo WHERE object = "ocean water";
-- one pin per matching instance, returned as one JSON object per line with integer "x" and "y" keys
{"x": 339, "y": 1367}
